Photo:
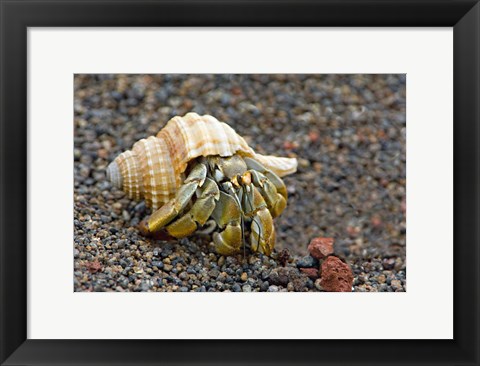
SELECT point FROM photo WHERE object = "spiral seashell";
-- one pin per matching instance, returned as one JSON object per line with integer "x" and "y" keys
{"x": 153, "y": 169}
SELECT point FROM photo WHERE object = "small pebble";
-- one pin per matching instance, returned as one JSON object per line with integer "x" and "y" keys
{"x": 247, "y": 288}
{"x": 307, "y": 262}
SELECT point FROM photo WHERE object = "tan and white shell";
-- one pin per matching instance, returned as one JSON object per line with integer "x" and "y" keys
{"x": 153, "y": 169}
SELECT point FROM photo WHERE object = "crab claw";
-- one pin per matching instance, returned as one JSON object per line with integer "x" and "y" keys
{"x": 165, "y": 214}
{"x": 198, "y": 214}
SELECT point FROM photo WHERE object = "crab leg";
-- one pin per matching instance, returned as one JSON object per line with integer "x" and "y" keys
{"x": 276, "y": 202}
{"x": 165, "y": 214}
{"x": 262, "y": 236}
{"x": 199, "y": 213}
{"x": 228, "y": 217}
{"x": 272, "y": 177}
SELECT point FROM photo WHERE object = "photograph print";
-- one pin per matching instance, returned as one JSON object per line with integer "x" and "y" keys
{"x": 239, "y": 183}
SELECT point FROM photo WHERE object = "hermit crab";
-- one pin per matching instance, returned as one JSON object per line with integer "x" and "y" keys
{"x": 198, "y": 172}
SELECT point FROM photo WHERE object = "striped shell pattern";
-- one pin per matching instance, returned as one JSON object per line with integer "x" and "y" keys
{"x": 153, "y": 169}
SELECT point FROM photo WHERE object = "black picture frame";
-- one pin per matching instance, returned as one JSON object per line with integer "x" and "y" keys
{"x": 18, "y": 15}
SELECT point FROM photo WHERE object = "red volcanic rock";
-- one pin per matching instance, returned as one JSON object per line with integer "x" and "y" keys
{"x": 321, "y": 247}
{"x": 94, "y": 267}
{"x": 310, "y": 272}
{"x": 336, "y": 275}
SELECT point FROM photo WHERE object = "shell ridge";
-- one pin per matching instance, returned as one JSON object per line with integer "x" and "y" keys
{"x": 165, "y": 171}
{"x": 136, "y": 186}
{"x": 149, "y": 177}
{"x": 174, "y": 138}
{"x": 125, "y": 171}
{"x": 203, "y": 146}
{"x": 226, "y": 139}
{"x": 128, "y": 168}
{"x": 183, "y": 124}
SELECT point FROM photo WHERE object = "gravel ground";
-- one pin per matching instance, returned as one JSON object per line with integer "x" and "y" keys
{"x": 347, "y": 131}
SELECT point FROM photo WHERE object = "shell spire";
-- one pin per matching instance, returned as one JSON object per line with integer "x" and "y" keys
{"x": 153, "y": 169}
